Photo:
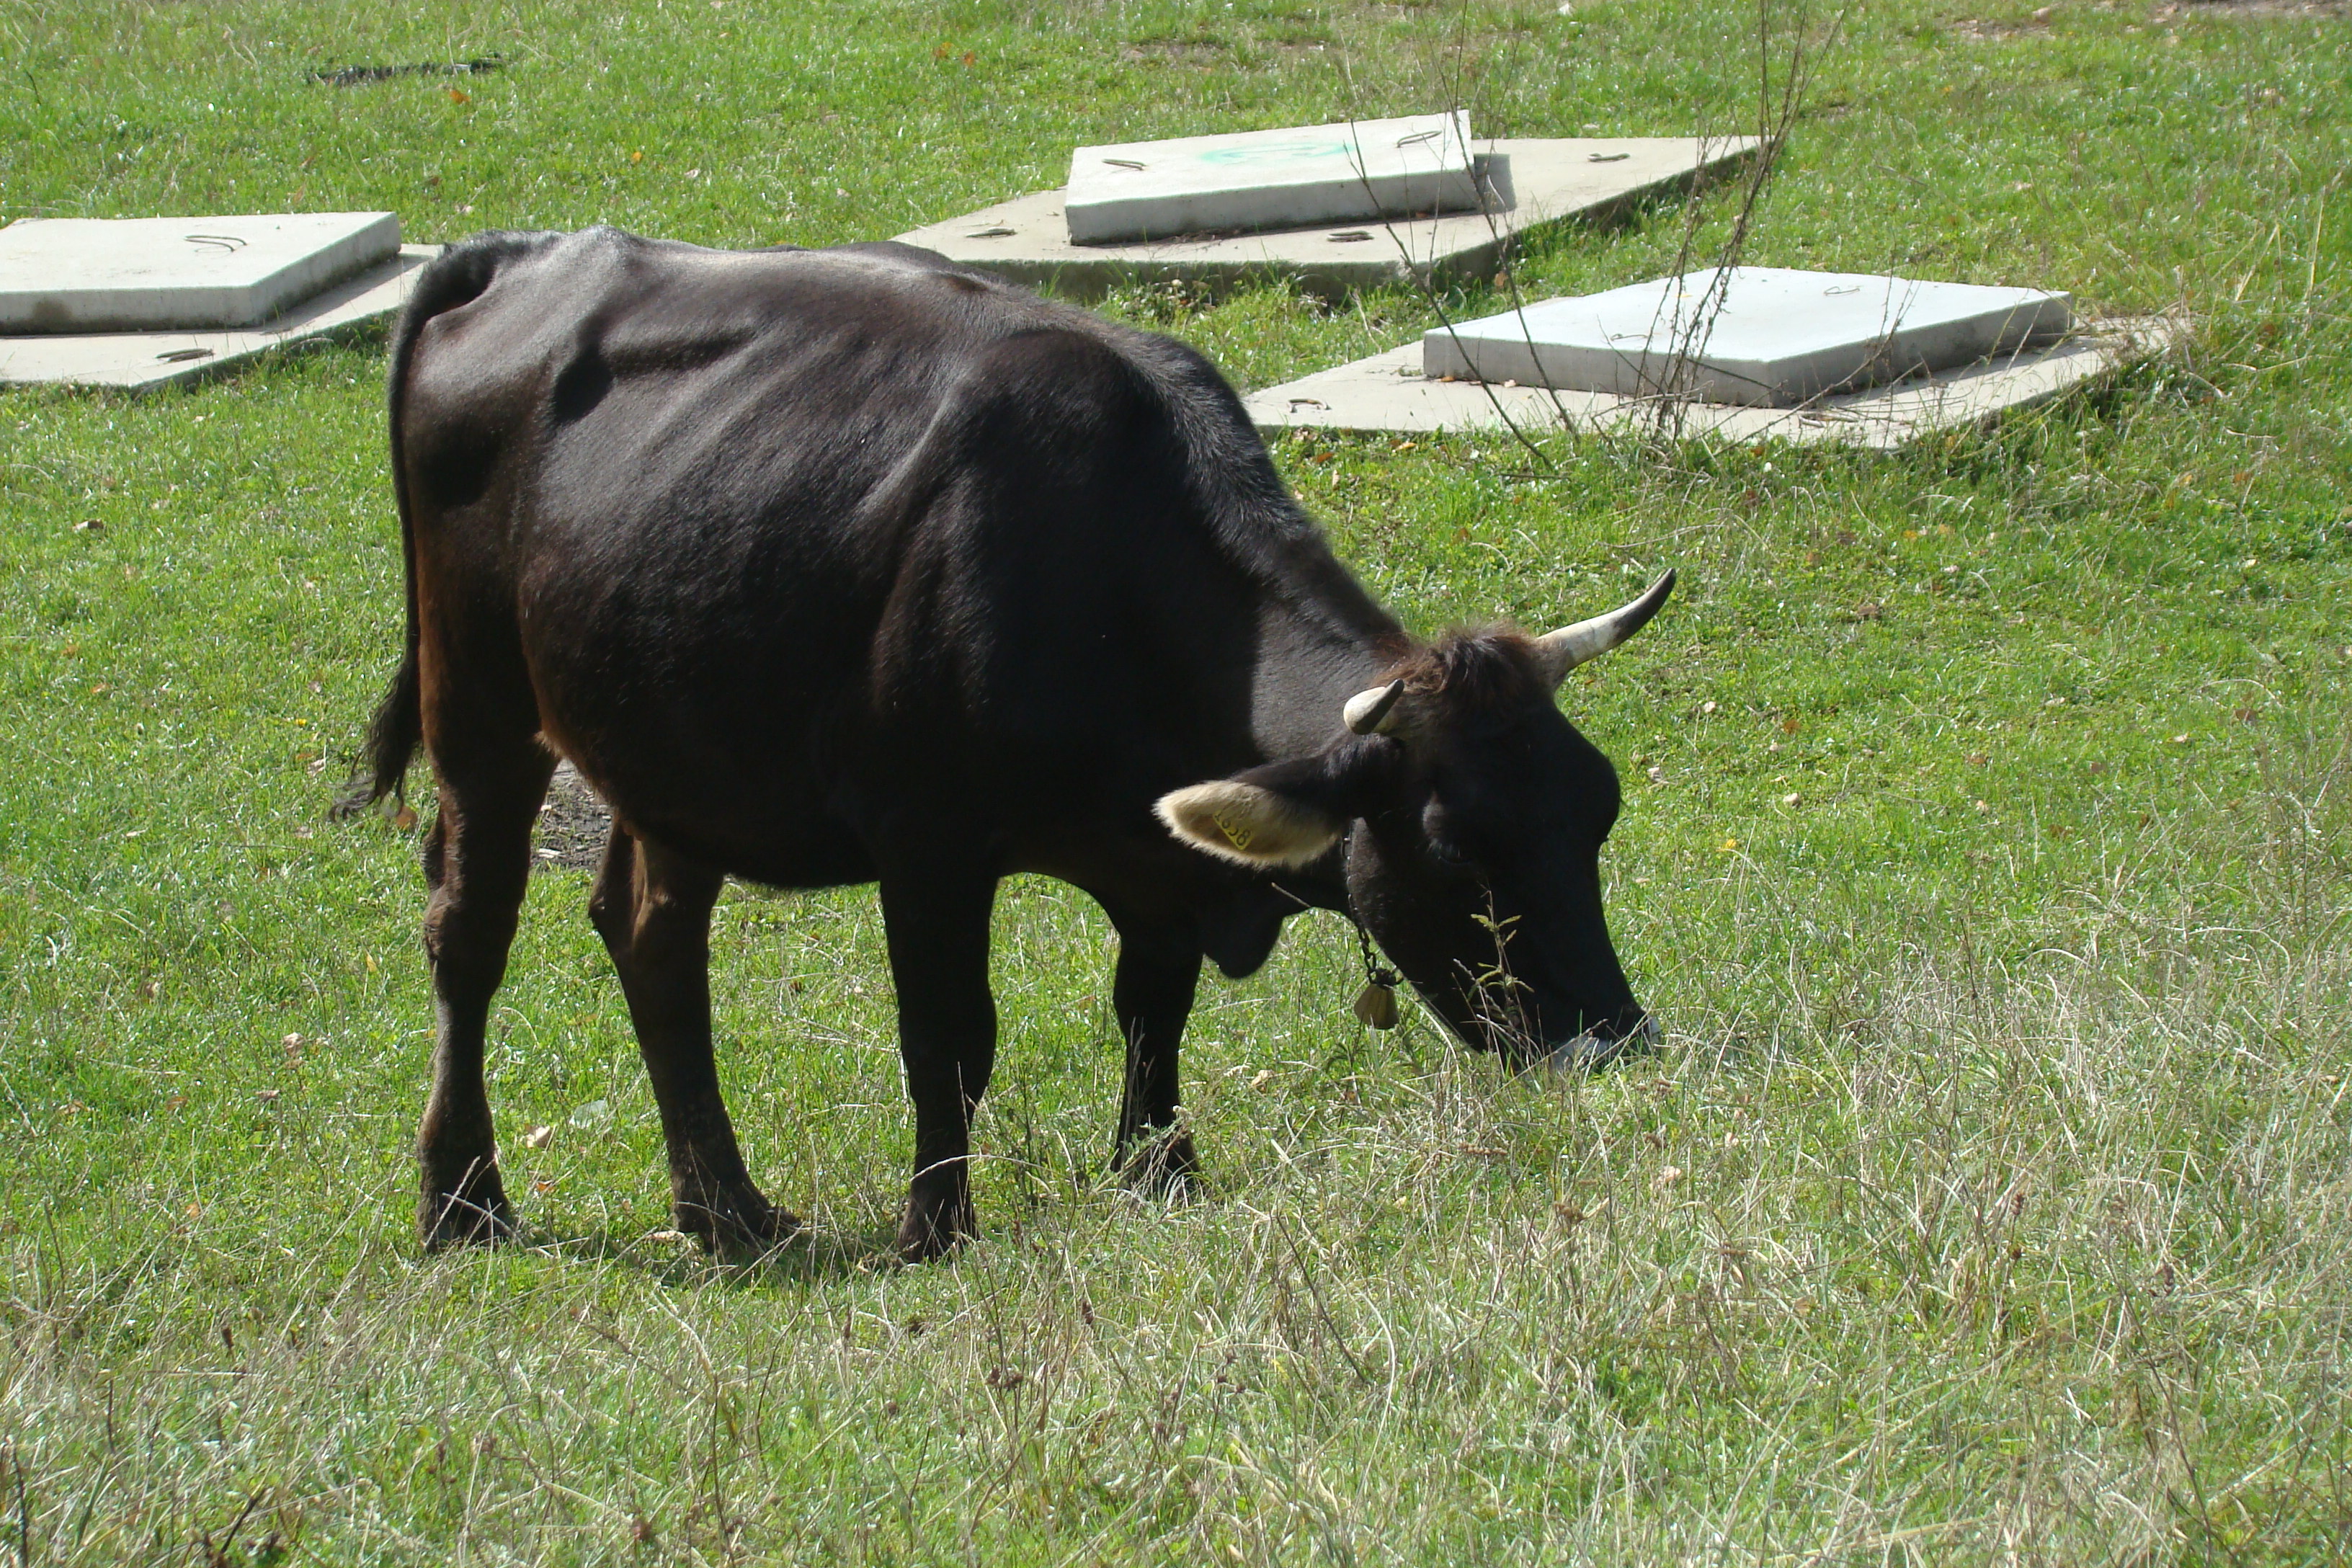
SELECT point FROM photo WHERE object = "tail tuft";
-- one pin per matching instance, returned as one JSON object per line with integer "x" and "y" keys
{"x": 393, "y": 737}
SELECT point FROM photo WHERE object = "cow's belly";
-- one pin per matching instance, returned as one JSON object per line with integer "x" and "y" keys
{"x": 776, "y": 827}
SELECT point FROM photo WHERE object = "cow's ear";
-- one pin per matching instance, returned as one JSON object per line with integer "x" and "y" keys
{"x": 1284, "y": 813}
{"x": 1248, "y": 823}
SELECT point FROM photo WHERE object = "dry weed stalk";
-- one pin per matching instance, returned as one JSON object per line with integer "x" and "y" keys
{"x": 1788, "y": 49}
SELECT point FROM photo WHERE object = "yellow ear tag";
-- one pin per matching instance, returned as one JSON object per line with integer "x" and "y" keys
{"x": 1237, "y": 834}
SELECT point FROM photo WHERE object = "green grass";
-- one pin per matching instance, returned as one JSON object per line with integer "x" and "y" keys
{"x": 1987, "y": 852}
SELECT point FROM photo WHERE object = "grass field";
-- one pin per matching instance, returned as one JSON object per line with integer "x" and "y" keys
{"x": 1987, "y": 853}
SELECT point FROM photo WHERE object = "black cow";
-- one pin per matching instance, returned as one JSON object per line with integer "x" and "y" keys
{"x": 853, "y": 565}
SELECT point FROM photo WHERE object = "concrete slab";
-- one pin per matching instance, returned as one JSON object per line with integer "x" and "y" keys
{"x": 1529, "y": 186}
{"x": 157, "y": 274}
{"x": 142, "y": 359}
{"x": 1769, "y": 336}
{"x": 1253, "y": 180}
{"x": 1387, "y": 392}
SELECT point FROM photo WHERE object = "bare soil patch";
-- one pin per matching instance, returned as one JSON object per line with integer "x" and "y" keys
{"x": 1187, "y": 51}
{"x": 573, "y": 825}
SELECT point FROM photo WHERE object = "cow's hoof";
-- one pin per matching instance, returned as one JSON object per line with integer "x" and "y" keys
{"x": 470, "y": 1212}
{"x": 737, "y": 1225}
{"x": 934, "y": 1228}
{"x": 1162, "y": 1167}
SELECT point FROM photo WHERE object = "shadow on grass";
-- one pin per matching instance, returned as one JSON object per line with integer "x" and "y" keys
{"x": 809, "y": 1258}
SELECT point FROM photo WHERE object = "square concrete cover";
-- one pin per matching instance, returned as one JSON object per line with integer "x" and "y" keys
{"x": 1767, "y": 336}
{"x": 138, "y": 361}
{"x": 157, "y": 274}
{"x": 1526, "y": 186}
{"x": 1253, "y": 180}
{"x": 1387, "y": 392}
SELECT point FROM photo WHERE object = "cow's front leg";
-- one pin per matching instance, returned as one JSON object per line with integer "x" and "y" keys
{"x": 653, "y": 910}
{"x": 1159, "y": 971}
{"x": 938, "y": 922}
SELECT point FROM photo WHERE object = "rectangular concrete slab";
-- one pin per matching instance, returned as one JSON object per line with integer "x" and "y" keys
{"x": 1527, "y": 186}
{"x": 144, "y": 359}
{"x": 1387, "y": 393}
{"x": 151, "y": 274}
{"x": 1773, "y": 337}
{"x": 1253, "y": 180}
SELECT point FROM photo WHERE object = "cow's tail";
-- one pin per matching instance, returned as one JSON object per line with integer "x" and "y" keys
{"x": 452, "y": 278}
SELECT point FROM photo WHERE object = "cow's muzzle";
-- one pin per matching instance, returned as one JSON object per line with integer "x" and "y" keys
{"x": 1594, "y": 1048}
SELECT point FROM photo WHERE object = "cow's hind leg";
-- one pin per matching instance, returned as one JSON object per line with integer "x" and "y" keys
{"x": 478, "y": 864}
{"x": 653, "y": 909}
{"x": 938, "y": 925}
{"x": 1151, "y": 992}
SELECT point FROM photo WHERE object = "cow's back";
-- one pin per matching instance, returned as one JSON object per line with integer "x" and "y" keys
{"x": 806, "y": 547}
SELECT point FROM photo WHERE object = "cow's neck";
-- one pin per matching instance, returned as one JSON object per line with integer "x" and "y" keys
{"x": 1310, "y": 661}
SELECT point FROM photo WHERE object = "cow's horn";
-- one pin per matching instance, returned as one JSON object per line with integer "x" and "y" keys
{"x": 1559, "y": 652}
{"x": 1368, "y": 711}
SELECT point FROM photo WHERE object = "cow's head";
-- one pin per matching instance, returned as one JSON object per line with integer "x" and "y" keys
{"x": 1468, "y": 816}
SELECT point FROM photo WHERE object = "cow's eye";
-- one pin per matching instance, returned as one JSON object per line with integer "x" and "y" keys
{"x": 1446, "y": 853}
